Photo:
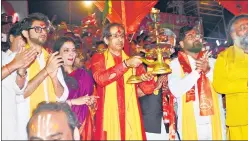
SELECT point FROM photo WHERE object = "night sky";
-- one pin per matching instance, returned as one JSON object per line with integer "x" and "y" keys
{"x": 79, "y": 11}
{"x": 61, "y": 9}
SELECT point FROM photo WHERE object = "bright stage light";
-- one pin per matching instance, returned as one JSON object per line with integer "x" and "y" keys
{"x": 15, "y": 17}
{"x": 217, "y": 42}
{"x": 16, "y": 14}
{"x": 87, "y": 3}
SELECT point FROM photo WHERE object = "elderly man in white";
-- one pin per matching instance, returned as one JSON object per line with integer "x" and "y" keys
{"x": 200, "y": 109}
{"x": 152, "y": 106}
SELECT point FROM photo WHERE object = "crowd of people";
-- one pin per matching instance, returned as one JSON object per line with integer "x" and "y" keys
{"x": 65, "y": 91}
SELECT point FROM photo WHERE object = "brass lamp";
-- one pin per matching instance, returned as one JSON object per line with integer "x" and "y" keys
{"x": 159, "y": 66}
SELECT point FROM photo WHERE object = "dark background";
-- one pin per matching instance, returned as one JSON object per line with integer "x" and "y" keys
{"x": 79, "y": 10}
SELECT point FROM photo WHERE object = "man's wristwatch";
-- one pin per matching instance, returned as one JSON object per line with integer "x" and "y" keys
{"x": 21, "y": 75}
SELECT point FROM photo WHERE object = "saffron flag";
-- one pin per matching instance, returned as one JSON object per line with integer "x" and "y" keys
{"x": 235, "y": 6}
{"x": 128, "y": 13}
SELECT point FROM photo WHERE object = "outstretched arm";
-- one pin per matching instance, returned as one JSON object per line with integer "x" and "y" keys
{"x": 147, "y": 87}
{"x": 105, "y": 76}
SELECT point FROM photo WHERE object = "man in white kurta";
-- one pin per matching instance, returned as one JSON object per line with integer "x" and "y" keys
{"x": 179, "y": 85}
{"x": 9, "y": 91}
{"x": 9, "y": 86}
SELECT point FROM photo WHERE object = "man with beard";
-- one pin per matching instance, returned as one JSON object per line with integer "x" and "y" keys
{"x": 200, "y": 111}
{"x": 45, "y": 80}
{"x": 231, "y": 78}
{"x": 118, "y": 116}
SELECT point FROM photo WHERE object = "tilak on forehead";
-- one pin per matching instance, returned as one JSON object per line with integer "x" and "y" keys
{"x": 119, "y": 30}
{"x": 44, "y": 123}
{"x": 42, "y": 24}
{"x": 191, "y": 31}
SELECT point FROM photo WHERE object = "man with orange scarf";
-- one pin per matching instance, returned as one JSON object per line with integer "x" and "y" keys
{"x": 118, "y": 116}
{"x": 231, "y": 78}
{"x": 200, "y": 110}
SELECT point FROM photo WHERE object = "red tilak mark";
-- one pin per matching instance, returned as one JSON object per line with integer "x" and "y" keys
{"x": 42, "y": 24}
{"x": 119, "y": 30}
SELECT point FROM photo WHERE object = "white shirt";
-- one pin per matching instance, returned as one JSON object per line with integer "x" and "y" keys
{"x": 23, "y": 108}
{"x": 9, "y": 91}
{"x": 179, "y": 86}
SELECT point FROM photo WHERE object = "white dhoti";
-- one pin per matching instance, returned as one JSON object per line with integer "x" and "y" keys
{"x": 156, "y": 136}
{"x": 204, "y": 131}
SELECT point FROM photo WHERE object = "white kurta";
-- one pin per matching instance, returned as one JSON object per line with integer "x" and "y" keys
{"x": 23, "y": 106}
{"x": 9, "y": 91}
{"x": 179, "y": 86}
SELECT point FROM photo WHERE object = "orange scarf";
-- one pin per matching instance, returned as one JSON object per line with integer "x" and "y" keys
{"x": 169, "y": 115}
{"x": 111, "y": 121}
{"x": 189, "y": 129}
{"x": 203, "y": 85}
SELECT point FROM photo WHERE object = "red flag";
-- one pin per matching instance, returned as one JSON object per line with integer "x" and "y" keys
{"x": 128, "y": 13}
{"x": 236, "y": 6}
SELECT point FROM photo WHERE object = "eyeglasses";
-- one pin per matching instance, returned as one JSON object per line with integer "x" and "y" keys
{"x": 192, "y": 36}
{"x": 117, "y": 36}
{"x": 39, "y": 29}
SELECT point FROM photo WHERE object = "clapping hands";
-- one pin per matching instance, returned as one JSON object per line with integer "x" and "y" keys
{"x": 202, "y": 64}
{"x": 24, "y": 58}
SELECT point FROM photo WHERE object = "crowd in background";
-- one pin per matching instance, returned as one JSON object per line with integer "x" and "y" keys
{"x": 81, "y": 73}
